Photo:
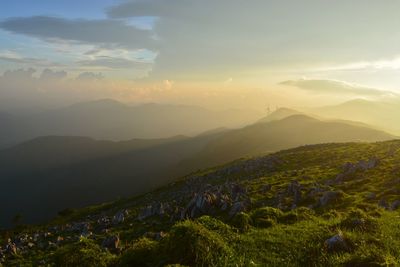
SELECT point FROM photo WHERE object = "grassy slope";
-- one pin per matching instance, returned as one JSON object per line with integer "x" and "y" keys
{"x": 277, "y": 238}
{"x": 288, "y": 132}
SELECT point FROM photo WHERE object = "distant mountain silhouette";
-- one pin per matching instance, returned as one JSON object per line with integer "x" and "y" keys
{"x": 112, "y": 120}
{"x": 381, "y": 114}
{"x": 47, "y": 174}
{"x": 61, "y": 151}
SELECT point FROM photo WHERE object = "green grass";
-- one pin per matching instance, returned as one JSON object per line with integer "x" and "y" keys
{"x": 263, "y": 235}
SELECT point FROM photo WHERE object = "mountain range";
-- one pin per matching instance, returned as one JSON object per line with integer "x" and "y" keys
{"x": 383, "y": 114}
{"x": 47, "y": 174}
{"x": 112, "y": 120}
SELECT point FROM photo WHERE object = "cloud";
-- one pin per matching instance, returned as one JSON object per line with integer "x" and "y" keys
{"x": 374, "y": 65}
{"x": 212, "y": 38}
{"x": 335, "y": 87}
{"x": 29, "y": 88}
{"x": 50, "y": 75}
{"x": 10, "y": 56}
{"x": 209, "y": 39}
{"x": 89, "y": 76}
{"x": 115, "y": 63}
{"x": 18, "y": 75}
{"x": 106, "y": 32}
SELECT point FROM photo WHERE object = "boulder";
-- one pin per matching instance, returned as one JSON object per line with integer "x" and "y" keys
{"x": 36, "y": 237}
{"x": 237, "y": 207}
{"x": 103, "y": 221}
{"x": 145, "y": 212}
{"x": 205, "y": 201}
{"x": 294, "y": 189}
{"x": 316, "y": 190}
{"x": 11, "y": 248}
{"x": 78, "y": 227}
{"x": 383, "y": 203}
{"x": 224, "y": 202}
{"x": 86, "y": 233}
{"x": 395, "y": 205}
{"x": 336, "y": 243}
{"x": 119, "y": 217}
{"x": 159, "y": 209}
{"x": 237, "y": 191}
{"x": 350, "y": 168}
{"x": 111, "y": 242}
{"x": 2, "y": 257}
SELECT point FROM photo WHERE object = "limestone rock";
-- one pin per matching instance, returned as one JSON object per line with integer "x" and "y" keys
{"x": 111, "y": 242}
{"x": 336, "y": 243}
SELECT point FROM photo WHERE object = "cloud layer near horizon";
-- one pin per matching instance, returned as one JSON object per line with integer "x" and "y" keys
{"x": 335, "y": 87}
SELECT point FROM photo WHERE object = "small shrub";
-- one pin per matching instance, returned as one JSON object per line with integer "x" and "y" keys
{"x": 142, "y": 253}
{"x": 288, "y": 217}
{"x": 242, "y": 221}
{"x": 264, "y": 222}
{"x": 296, "y": 215}
{"x": 332, "y": 214}
{"x": 190, "y": 243}
{"x": 267, "y": 212}
{"x": 84, "y": 253}
{"x": 266, "y": 217}
{"x": 373, "y": 257}
{"x": 358, "y": 220}
{"x": 214, "y": 224}
{"x": 370, "y": 209}
{"x": 305, "y": 213}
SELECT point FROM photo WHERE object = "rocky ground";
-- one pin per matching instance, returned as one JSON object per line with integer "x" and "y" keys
{"x": 345, "y": 191}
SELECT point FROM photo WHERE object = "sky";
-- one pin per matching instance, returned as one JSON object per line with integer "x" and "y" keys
{"x": 227, "y": 53}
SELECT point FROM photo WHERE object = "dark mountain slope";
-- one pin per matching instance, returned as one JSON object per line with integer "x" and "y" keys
{"x": 45, "y": 153}
{"x": 49, "y": 174}
{"x": 275, "y": 135}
